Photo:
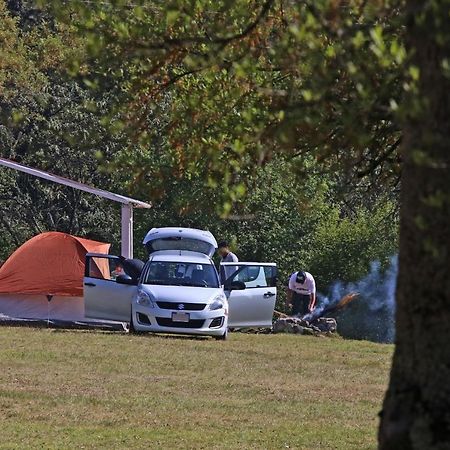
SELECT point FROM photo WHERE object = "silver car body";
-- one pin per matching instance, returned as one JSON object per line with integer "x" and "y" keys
{"x": 247, "y": 299}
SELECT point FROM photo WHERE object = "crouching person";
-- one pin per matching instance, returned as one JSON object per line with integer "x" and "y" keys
{"x": 301, "y": 294}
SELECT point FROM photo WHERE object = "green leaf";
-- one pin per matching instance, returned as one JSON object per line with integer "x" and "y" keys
{"x": 172, "y": 16}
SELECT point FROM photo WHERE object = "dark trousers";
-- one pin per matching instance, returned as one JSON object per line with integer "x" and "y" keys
{"x": 300, "y": 304}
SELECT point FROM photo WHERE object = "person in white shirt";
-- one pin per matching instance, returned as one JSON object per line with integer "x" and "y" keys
{"x": 301, "y": 294}
{"x": 226, "y": 255}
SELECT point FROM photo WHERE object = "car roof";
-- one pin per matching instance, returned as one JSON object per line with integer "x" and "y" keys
{"x": 180, "y": 256}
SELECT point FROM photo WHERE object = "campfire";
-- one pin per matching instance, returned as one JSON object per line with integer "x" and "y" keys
{"x": 316, "y": 322}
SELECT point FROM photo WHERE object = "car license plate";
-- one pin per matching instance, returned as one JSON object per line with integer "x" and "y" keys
{"x": 180, "y": 317}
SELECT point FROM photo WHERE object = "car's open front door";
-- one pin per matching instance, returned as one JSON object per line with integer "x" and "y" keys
{"x": 104, "y": 297}
{"x": 252, "y": 293}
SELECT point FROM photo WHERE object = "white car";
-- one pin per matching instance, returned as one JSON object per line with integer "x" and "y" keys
{"x": 179, "y": 290}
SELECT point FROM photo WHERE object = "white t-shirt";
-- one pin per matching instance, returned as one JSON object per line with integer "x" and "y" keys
{"x": 307, "y": 288}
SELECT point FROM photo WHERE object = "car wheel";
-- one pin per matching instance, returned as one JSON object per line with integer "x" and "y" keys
{"x": 222, "y": 337}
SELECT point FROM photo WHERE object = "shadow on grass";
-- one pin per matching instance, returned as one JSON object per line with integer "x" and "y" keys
{"x": 183, "y": 337}
{"x": 62, "y": 324}
{"x": 141, "y": 335}
{"x": 93, "y": 329}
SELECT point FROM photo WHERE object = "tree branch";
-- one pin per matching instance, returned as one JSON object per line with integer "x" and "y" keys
{"x": 378, "y": 161}
{"x": 189, "y": 40}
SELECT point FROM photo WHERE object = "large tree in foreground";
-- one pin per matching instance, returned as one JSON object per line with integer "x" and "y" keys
{"x": 333, "y": 80}
{"x": 416, "y": 411}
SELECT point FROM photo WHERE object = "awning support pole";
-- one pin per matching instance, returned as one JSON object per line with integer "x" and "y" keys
{"x": 127, "y": 231}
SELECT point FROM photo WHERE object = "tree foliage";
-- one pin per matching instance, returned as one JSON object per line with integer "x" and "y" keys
{"x": 247, "y": 81}
{"x": 45, "y": 122}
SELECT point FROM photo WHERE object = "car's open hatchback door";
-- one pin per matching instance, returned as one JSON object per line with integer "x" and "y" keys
{"x": 104, "y": 298}
{"x": 171, "y": 238}
{"x": 252, "y": 293}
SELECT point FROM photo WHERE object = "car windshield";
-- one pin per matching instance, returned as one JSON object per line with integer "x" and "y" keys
{"x": 181, "y": 274}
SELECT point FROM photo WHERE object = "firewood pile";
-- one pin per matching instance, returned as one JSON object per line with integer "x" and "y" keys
{"x": 297, "y": 325}
{"x": 315, "y": 323}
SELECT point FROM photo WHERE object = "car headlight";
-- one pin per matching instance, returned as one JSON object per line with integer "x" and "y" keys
{"x": 144, "y": 299}
{"x": 218, "y": 303}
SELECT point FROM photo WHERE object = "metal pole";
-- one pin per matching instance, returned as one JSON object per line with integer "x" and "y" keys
{"x": 127, "y": 230}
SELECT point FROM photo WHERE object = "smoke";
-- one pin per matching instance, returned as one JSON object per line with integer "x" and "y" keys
{"x": 372, "y": 315}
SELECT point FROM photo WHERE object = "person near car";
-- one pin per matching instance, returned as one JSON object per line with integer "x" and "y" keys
{"x": 301, "y": 294}
{"x": 226, "y": 255}
{"x": 118, "y": 270}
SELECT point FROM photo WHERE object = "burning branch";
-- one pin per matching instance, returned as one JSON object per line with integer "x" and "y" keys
{"x": 342, "y": 303}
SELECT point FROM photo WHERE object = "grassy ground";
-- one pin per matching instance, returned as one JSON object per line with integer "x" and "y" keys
{"x": 74, "y": 389}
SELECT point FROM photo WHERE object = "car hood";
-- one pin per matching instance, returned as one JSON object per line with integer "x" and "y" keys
{"x": 186, "y": 294}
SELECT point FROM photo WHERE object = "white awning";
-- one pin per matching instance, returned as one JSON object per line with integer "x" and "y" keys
{"x": 127, "y": 203}
{"x": 74, "y": 184}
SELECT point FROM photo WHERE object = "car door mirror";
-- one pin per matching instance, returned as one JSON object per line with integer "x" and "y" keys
{"x": 234, "y": 286}
{"x": 126, "y": 279}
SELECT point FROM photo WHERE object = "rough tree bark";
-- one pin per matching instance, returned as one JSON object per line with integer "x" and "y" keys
{"x": 416, "y": 410}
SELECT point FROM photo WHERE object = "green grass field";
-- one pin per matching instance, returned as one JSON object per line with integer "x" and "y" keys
{"x": 76, "y": 389}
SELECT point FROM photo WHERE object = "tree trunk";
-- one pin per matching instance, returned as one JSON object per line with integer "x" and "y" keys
{"x": 416, "y": 410}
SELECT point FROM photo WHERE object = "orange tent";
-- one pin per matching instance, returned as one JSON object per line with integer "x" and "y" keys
{"x": 49, "y": 264}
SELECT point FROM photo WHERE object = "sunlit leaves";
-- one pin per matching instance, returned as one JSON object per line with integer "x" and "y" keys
{"x": 245, "y": 81}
